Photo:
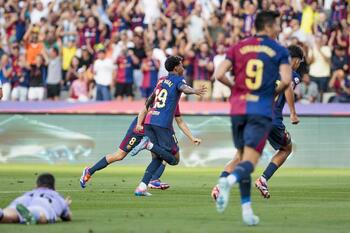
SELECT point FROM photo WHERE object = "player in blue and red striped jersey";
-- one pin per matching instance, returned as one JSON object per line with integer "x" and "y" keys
{"x": 149, "y": 67}
{"x": 132, "y": 138}
{"x": 158, "y": 123}
{"x": 279, "y": 138}
{"x": 125, "y": 74}
{"x": 256, "y": 62}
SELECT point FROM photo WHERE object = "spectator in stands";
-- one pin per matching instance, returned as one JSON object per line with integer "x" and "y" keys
{"x": 125, "y": 74}
{"x": 68, "y": 52}
{"x": 79, "y": 90}
{"x": 37, "y": 79}
{"x": 5, "y": 77}
{"x": 32, "y": 44}
{"x": 307, "y": 91}
{"x": 220, "y": 91}
{"x": 149, "y": 67}
{"x": 196, "y": 25}
{"x": 203, "y": 69}
{"x": 103, "y": 70}
{"x": 72, "y": 72}
{"x": 20, "y": 81}
{"x": 320, "y": 63}
{"x": 54, "y": 74}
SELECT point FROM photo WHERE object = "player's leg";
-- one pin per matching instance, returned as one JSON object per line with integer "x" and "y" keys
{"x": 255, "y": 134}
{"x": 237, "y": 123}
{"x": 8, "y": 215}
{"x": 280, "y": 140}
{"x": 155, "y": 182}
{"x": 228, "y": 169}
{"x": 141, "y": 189}
{"x": 130, "y": 140}
{"x": 162, "y": 149}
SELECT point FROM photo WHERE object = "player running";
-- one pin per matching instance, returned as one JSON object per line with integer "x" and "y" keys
{"x": 132, "y": 138}
{"x": 158, "y": 123}
{"x": 41, "y": 205}
{"x": 279, "y": 137}
{"x": 257, "y": 62}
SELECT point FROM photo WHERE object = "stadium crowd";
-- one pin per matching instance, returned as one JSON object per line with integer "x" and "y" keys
{"x": 105, "y": 49}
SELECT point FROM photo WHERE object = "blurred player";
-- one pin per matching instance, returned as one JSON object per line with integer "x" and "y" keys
{"x": 41, "y": 205}
{"x": 158, "y": 123}
{"x": 279, "y": 138}
{"x": 132, "y": 138}
{"x": 256, "y": 62}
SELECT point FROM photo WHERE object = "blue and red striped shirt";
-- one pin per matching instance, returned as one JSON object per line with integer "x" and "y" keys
{"x": 256, "y": 61}
{"x": 125, "y": 70}
{"x": 150, "y": 74}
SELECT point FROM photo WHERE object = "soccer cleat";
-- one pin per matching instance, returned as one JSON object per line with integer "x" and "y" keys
{"x": 142, "y": 192}
{"x": 250, "y": 219}
{"x": 141, "y": 146}
{"x": 157, "y": 184}
{"x": 215, "y": 192}
{"x": 27, "y": 216}
{"x": 85, "y": 177}
{"x": 261, "y": 185}
{"x": 224, "y": 195}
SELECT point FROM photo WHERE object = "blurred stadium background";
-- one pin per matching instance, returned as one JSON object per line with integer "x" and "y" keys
{"x": 47, "y": 46}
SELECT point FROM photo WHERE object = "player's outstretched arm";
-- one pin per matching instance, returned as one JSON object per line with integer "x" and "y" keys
{"x": 286, "y": 78}
{"x": 289, "y": 94}
{"x": 220, "y": 72}
{"x": 192, "y": 91}
{"x": 140, "y": 119}
{"x": 184, "y": 128}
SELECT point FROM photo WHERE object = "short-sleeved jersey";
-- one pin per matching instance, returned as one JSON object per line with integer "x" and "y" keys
{"x": 150, "y": 76}
{"x": 281, "y": 101}
{"x": 166, "y": 101}
{"x": 256, "y": 61}
{"x": 125, "y": 71}
{"x": 51, "y": 197}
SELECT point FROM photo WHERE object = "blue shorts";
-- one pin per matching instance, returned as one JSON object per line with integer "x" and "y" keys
{"x": 130, "y": 140}
{"x": 279, "y": 137}
{"x": 251, "y": 131}
{"x": 164, "y": 137}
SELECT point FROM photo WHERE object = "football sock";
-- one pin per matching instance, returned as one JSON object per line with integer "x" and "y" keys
{"x": 164, "y": 154}
{"x": 151, "y": 169}
{"x": 247, "y": 208}
{"x": 142, "y": 186}
{"x": 149, "y": 145}
{"x": 244, "y": 188}
{"x": 242, "y": 171}
{"x": 224, "y": 174}
{"x": 98, "y": 166}
{"x": 159, "y": 172}
{"x": 269, "y": 171}
{"x": 1, "y": 214}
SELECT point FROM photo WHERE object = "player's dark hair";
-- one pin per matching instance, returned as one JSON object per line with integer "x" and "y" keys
{"x": 296, "y": 51}
{"x": 171, "y": 62}
{"x": 46, "y": 180}
{"x": 303, "y": 68}
{"x": 150, "y": 100}
{"x": 265, "y": 18}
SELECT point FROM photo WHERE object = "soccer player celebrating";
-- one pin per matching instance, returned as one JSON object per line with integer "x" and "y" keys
{"x": 133, "y": 138}
{"x": 158, "y": 123}
{"x": 279, "y": 138}
{"x": 257, "y": 62}
{"x": 41, "y": 205}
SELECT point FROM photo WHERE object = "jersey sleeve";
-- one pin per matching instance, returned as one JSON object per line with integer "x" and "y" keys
{"x": 180, "y": 83}
{"x": 283, "y": 56}
{"x": 177, "y": 111}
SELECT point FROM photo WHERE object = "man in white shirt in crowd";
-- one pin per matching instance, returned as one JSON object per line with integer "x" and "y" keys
{"x": 104, "y": 69}
{"x": 220, "y": 91}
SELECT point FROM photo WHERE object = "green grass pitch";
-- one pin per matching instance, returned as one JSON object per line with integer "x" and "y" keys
{"x": 302, "y": 201}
